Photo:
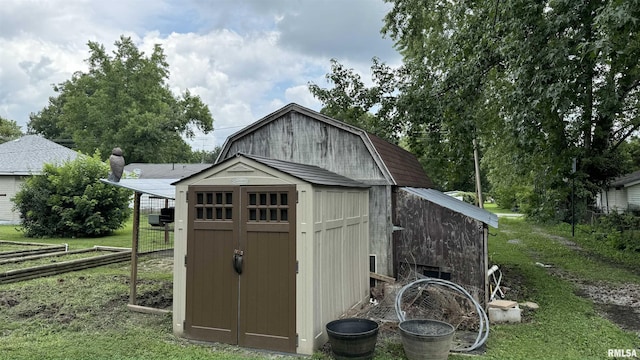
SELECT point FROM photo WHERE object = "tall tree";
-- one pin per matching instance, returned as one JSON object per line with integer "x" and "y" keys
{"x": 124, "y": 100}
{"x": 9, "y": 130}
{"x": 369, "y": 108}
{"x": 538, "y": 83}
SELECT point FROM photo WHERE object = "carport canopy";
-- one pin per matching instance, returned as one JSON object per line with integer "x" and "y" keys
{"x": 162, "y": 188}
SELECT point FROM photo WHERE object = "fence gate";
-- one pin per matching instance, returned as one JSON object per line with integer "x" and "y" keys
{"x": 241, "y": 266}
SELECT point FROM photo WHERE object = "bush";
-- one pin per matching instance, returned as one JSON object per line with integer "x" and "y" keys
{"x": 620, "y": 231}
{"x": 71, "y": 201}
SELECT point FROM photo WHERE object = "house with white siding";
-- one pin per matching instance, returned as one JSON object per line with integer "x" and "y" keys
{"x": 20, "y": 159}
{"x": 623, "y": 194}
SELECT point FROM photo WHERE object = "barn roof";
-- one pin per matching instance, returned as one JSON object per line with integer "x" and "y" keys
{"x": 454, "y": 204}
{"x": 399, "y": 166}
{"x": 28, "y": 154}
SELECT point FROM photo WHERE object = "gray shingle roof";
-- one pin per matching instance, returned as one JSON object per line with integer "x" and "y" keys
{"x": 28, "y": 154}
{"x": 626, "y": 180}
{"x": 309, "y": 173}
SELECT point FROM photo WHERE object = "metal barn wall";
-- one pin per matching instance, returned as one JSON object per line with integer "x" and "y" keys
{"x": 341, "y": 254}
{"x": 437, "y": 239}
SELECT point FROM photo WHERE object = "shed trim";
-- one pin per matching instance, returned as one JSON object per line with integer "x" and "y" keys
{"x": 454, "y": 204}
{"x": 309, "y": 173}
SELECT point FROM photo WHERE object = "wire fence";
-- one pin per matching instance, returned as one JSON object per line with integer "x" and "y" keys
{"x": 155, "y": 238}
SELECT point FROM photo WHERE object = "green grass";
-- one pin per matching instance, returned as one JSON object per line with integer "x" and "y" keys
{"x": 120, "y": 238}
{"x": 493, "y": 207}
{"x": 83, "y": 315}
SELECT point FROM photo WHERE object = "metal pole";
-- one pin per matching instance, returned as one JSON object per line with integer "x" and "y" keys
{"x": 477, "y": 167}
{"x": 573, "y": 203}
{"x": 134, "y": 248}
{"x": 573, "y": 207}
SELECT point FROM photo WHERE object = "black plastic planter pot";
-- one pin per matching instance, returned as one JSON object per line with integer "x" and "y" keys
{"x": 353, "y": 338}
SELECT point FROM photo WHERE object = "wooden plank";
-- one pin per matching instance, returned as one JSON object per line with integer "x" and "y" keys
{"x": 381, "y": 277}
{"x": 147, "y": 310}
{"x": 502, "y": 304}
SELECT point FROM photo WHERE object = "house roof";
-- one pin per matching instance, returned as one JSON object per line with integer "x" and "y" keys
{"x": 626, "y": 180}
{"x": 28, "y": 154}
{"x": 399, "y": 166}
{"x": 454, "y": 204}
{"x": 164, "y": 171}
{"x": 309, "y": 173}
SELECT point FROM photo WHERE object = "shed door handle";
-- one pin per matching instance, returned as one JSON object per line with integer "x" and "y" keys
{"x": 237, "y": 260}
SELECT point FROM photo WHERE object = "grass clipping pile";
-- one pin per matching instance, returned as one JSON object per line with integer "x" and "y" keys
{"x": 433, "y": 302}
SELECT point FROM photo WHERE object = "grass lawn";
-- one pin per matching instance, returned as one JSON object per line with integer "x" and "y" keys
{"x": 493, "y": 207}
{"x": 83, "y": 315}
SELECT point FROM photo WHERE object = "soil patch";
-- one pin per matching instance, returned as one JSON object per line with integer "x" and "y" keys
{"x": 619, "y": 303}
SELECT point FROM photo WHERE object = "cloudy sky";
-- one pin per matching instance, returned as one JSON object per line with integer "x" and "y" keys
{"x": 244, "y": 58}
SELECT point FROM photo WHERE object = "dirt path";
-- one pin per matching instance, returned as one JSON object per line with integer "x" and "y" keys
{"x": 619, "y": 303}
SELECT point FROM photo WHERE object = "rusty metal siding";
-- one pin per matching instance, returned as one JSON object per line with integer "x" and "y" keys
{"x": 299, "y": 138}
{"x": 435, "y": 238}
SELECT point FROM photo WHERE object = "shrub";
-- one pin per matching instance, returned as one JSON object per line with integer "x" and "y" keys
{"x": 70, "y": 201}
{"x": 620, "y": 231}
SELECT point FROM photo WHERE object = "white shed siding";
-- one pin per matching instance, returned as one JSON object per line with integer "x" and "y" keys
{"x": 340, "y": 230}
{"x": 615, "y": 200}
{"x": 332, "y": 247}
{"x": 633, "y": 197}
{"x": 9, "y": 186}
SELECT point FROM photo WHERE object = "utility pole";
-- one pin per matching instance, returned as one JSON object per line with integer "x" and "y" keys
{"x": 477, "y": 166}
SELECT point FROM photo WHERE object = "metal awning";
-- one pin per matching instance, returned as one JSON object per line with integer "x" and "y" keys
{"x": 156, "y": 187}
{"x": 454, "y": 204}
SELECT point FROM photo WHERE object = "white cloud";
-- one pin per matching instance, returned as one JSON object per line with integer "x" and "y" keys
{"x": 244, "y": 59}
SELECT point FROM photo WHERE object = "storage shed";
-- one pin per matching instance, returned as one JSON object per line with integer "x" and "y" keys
{"x": 298, "y": 134}
{"x": 398, "y": 220}
{"x": 267, "y": 252}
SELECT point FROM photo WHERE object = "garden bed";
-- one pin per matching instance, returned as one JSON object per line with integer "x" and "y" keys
{"x": 12, "y": 249}
{"x": 26, "y": 267}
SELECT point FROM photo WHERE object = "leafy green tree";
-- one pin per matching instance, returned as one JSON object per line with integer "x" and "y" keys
{"x": 124, "y": 100}
{"x": 69, "y": 200}
{"x": 349, "y": 100}
{"x": 9, "y": 130}
{"x": 206, "y": 157}
{"x": 537, "y": 83}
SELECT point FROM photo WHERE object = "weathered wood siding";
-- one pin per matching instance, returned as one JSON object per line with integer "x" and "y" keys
{"x": 435, "y": 238}
{"x": 297, "y": 138}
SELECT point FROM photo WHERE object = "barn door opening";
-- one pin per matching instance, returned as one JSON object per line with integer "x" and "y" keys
{"x": 241, "y": 266}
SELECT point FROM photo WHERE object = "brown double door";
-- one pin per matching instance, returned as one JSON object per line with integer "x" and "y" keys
{"x": 241, "y": 266}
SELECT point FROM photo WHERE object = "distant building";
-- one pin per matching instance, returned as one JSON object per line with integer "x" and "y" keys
{"x": 20, "y": 159}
